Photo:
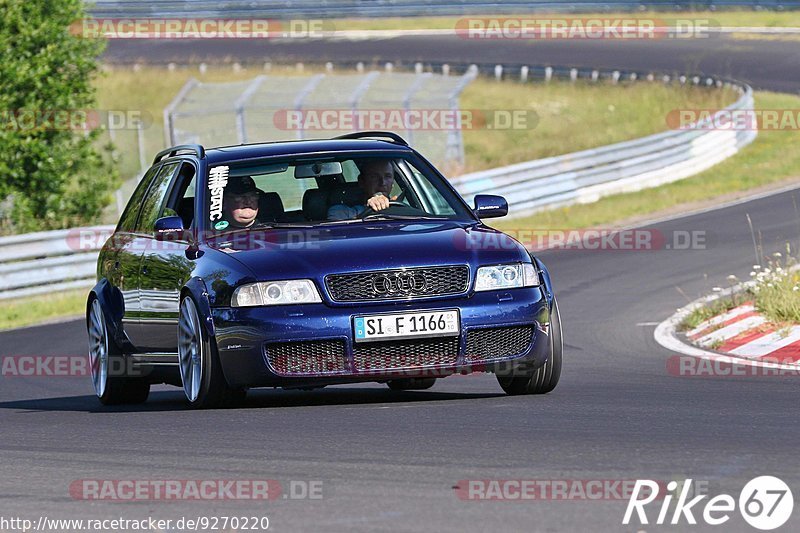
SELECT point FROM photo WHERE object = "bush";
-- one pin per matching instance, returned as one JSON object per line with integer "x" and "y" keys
{"x": 54, "y": 176}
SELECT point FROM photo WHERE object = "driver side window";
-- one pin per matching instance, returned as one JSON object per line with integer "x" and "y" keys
{"x": 154, "y": 199}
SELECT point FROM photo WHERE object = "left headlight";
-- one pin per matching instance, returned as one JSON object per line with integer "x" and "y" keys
{"x": 295, "y": 291}
{"x": 506, "y": 277}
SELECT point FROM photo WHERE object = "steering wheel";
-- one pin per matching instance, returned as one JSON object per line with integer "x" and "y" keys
{"x": 395, "y": 207}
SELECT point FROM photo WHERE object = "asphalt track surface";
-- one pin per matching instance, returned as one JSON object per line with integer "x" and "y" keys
{"x": 390, "y": 461}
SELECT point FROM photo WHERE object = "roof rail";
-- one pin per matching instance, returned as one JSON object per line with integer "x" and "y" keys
{"x": 196, "y": 149}
{"x": 375, "y": 135}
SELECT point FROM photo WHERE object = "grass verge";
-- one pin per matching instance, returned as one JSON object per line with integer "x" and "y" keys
{"x": 770, "y": 159}
{"x": 776, "y": 292}
{"x": 41, "y": 308}
{"x": 568, "y": 117}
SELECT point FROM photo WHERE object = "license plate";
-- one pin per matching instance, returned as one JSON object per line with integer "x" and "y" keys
{"x": 406, "y": 325}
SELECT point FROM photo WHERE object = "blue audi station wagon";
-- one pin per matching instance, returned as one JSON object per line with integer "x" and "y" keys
{"x": 303, "y": 264}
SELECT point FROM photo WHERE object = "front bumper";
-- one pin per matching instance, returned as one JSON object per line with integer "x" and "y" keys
{"x": 246, "y": 338}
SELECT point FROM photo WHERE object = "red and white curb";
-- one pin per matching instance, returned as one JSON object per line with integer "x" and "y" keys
{"x": 746, "y": 340}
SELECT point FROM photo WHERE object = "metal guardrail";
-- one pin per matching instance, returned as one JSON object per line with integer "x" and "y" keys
{"x": 50, "y": 261}
{"x": 587, "y": 176}
{"x": 393, "y": 8}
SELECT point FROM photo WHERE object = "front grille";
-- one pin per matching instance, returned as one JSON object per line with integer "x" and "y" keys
{"x": 494, "y": 343}
{"x": 309, "y": 357}
{"x": 405, "y": 354}
{"x": 398, "y": 284}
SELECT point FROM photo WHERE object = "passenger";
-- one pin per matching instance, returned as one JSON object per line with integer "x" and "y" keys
{"x": 241, "y": 202}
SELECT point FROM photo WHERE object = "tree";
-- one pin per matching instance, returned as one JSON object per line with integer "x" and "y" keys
{"x": 51, "y": 170}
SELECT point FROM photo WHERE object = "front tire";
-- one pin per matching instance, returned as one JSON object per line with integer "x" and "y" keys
{"x": 107, "y": 364}
{"x": 201, "y": 372}
{"x": 545, "y": 378}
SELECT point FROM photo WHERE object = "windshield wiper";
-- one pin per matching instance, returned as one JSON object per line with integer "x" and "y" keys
{"x": 264, "y": 225}
{"x": 282, "y": 225}
{"x": 387, "y": 216}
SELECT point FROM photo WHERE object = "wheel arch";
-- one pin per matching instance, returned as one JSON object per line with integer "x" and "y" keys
{"x": 546, "y": 281}
{"x": 113, "y": 305}
{"x": 196, "y": 288}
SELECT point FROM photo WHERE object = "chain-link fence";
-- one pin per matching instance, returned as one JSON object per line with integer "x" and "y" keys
{"x": 283, "y": 107}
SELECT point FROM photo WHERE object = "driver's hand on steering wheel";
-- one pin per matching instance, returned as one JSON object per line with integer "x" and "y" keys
{"x": 378, "y": 202}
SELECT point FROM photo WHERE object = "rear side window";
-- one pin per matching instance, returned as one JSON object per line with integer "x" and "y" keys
{"x": 154, "y": 199}
{"x": 127, "y": 222}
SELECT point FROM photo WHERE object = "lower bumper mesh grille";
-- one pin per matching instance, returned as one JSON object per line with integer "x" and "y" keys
{"x": 494, "y": 343}
{"x": 405, "y": 354}
{"x": 310, "y": 357}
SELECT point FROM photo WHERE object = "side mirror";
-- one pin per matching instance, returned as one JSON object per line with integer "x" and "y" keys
{"x": 490, "y": 206}
{"x": 170, "y": 229}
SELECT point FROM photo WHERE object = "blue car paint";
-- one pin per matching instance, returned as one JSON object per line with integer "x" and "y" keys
{"x": 216, "y": 266}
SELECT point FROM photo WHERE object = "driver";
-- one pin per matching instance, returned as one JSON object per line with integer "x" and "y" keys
{"x": 241, "y": 202}
{"x": 376, "y": 179}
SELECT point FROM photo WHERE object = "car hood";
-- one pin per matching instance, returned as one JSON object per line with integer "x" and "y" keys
{"x": 293, "y": 253}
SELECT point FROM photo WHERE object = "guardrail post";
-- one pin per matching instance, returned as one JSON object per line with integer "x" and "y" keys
{"x": 548, "y": 74}
{"x": 523, "y": 74}
{"x": 573, "y": 75}
{"x": 498, "y": 72}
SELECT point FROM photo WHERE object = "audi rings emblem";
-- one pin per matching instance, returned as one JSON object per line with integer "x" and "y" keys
{"x": 399, "y": 283}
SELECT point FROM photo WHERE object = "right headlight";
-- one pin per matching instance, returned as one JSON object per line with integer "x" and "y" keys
{"x": 295, "y": 291}
{"x": 510, "y": 276}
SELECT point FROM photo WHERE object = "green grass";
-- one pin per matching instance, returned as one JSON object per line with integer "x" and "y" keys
{"x": 771, "y": 158}
{"x": 41, "y": 308}
{"x": 574, "y": 116}
{"x": 777, "y": 289}
{"x": 571, "y": 116}
{"x": 704, "y": 312}
{"x": 736, "y": 18}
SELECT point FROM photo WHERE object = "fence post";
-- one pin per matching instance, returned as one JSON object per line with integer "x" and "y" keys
{"x": 169, "y": 126}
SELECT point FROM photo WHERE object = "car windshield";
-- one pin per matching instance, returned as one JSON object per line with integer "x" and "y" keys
{"x": 329, "y": 191}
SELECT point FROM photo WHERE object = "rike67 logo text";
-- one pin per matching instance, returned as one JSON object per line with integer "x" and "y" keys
{"x": 765, "y": 503}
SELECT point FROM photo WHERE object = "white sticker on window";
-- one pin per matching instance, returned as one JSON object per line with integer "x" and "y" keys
{"x": 217, "y": 181}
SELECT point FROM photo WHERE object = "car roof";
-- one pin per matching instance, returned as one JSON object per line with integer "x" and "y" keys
{"x": 292, "y": 148}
